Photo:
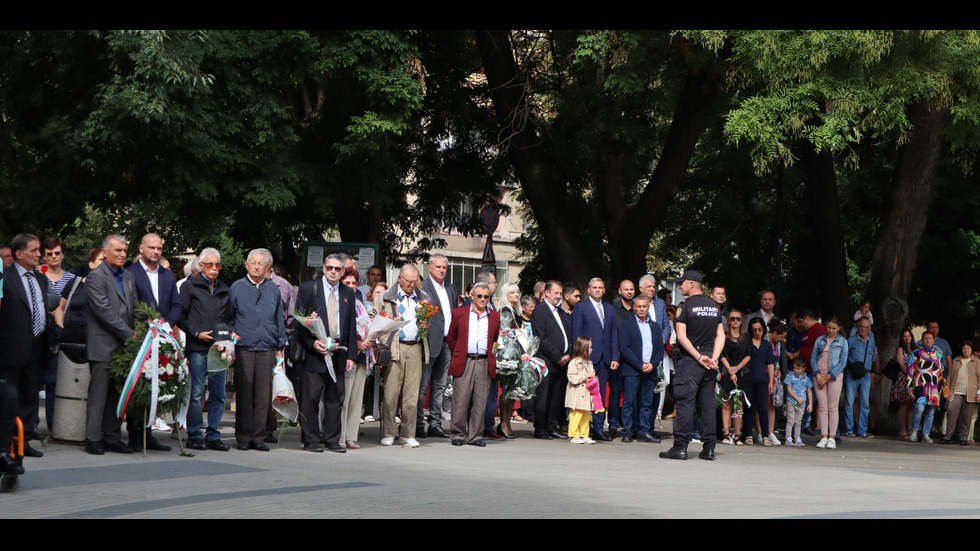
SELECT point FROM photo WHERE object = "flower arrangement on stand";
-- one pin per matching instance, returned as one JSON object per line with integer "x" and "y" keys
{"x": 151, "y": 372}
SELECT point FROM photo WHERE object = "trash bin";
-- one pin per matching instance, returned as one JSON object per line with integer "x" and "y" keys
{"x": 71, "y": 399}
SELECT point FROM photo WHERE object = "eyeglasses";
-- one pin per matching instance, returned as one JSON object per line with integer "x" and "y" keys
{"x": 333, "y": 268}
{"x": 484, "y": 297}
{"x": 734, "y": 318}
{"x": 211, "y": 265}
{"x": 52, "y": 253}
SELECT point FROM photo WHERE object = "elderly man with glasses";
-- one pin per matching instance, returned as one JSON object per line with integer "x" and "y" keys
{"x": 207, "y": 312}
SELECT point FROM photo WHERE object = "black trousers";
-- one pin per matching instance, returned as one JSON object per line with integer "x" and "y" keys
{"x": 694, "y": 387}
{"x": 549, "y": 402}
{"x": 316, "y": 385}
{"x": 8, "y": 414}
{"x": 27, "y": 380}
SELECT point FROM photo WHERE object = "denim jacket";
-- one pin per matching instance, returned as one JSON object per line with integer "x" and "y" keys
{"x": 838, "y": 355}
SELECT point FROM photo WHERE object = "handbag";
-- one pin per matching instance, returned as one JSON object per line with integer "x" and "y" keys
{"x": 856, "y": 369}
{"x": 892, "y": 369}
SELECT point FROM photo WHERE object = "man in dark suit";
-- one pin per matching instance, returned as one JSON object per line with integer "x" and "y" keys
{"x": 657, "y": 312}
{"x": 334, "y": 303}
{"x": 554, "y": 332}
{"x": 110, "y": 294}
{"x": 641, "y": 351}
{"x": 23, "y": 322}
{"x": 157, "y": 286}
{"x": 436, "y": 370}
{"x": 473, "y": 364}
{"x": 596, "y": 320}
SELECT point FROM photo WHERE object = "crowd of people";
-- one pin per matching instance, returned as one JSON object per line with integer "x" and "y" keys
{"x": 599, "y": 371}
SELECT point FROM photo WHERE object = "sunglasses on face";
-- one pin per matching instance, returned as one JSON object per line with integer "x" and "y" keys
{"x": 482, "y": 296}
{"x": 734, "y": 318}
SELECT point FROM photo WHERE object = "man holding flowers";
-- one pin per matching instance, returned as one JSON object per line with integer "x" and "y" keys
{"x": 207, "y": 306}
{"x": 409, "y": 350}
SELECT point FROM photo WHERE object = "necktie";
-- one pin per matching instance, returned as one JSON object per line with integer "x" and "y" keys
{"x": 35, "y": 306}
{"x": 602, "y": 319}
{"x": 332, "y": 313}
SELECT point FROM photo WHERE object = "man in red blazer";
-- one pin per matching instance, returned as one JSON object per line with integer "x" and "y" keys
{"x": 472, "y": 332}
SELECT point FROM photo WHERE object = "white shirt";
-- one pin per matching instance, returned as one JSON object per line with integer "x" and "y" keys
{"x": 599, "y": 311}
{"x": 32, "y": 281}
{"x": 327, "y": 289}
{"x": 447, "y": 309}
{"x": 479, "y": 327}
{"x": 154, "y": 277}
{"x": 411, "y": 303}
{"x": 554, "y": 311}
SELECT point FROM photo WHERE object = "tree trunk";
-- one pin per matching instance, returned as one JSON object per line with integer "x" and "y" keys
{"x": 539, "y": 179}
{"x": 901, "y": 232}
{"x": 826, "y": 250}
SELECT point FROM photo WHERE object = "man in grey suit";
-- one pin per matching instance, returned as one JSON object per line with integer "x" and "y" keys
{"x": 110, "y": 294}
{"x": 444, "y": 295}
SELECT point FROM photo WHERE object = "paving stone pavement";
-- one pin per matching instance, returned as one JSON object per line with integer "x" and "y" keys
{"x": 523, "y": 478}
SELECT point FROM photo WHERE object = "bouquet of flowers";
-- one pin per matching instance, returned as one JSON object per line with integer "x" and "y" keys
{"x": 425, "y": 311}
{"x": 737, "y": 396}
{"x": 313, "y": 323}
{"x": 518, "y": 378}
{"x": 222, "y": 353}
{"x": 150, "y": 371}
{"x": 283, "y": 395}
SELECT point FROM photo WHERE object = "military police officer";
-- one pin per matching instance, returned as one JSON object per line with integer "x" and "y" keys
{"x": 701, "y": 337}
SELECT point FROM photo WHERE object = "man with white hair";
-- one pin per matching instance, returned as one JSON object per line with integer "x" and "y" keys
{"x": 207, "y": 312}
{"x": 436, "y": 370}
{"x": 257, "y": 310}
{"x": 409, "y": 350}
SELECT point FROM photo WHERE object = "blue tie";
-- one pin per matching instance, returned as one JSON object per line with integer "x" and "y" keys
{"x": 35, "y": 306}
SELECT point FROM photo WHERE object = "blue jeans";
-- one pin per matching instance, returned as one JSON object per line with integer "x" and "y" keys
{"x": 638, "y": 398}
{"x": 926, "y": 420}
{"x": 861, "y": 387}
{"x": 216, "y": 404}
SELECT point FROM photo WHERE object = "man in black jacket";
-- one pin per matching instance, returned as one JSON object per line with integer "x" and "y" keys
{"x": 554, "y": 332}
{"x": 207, "y": 318}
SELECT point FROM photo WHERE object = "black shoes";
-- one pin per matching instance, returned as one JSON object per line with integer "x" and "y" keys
{"x": 313, "y": 447}
{"x": 708, "y": 454}
{"x": 649, "y": 438}
{"x": 479, "y": 443}
{"x": 674, "y": 453}
{"x": 420, "y": 431}
{"x": 613, "y": 433}
{"x": 458, "y": 442}
{"x": 31, "y": 452}
{"x": 9, "y": 465}
{"x": 557, "y": 435}
{"x": 151, "y": 444}
{"x": 599, "y": 437}
{"x": 336, "y": 448}
{"x": 543, "y": 435}
{"x": 196, "y": 444}
{"x": 260, "y": 447}
{"x": 627, "y": 438}
{"x": 94, "y": 448}
{"x": 501, "y": 432}
{"x": 217, "y": 445}
{"x": 118, "y": 447}
{"x": 435, "y": 432}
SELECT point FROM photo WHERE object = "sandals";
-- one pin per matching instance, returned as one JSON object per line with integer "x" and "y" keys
{"x": 352, "y": 445}
{"x": 727, "y": 439}
{"x": 737, "y": 439}
{"x": 766, "y": 441}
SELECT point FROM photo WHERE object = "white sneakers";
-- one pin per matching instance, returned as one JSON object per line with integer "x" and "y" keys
{"x": 926, "y": 439}
{"x": 772, "y": 438}
{"x": 576, "y": 440}
{"x": 831, "y": 444}
{"x": 913, "y": 437}
{"x": 407, "y": 442}
{"x": 822, "y": 443}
